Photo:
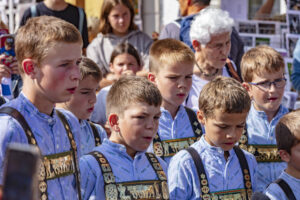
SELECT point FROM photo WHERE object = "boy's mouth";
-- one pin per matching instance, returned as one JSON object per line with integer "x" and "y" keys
{"x": 272, "y": 99}
{"x": 149, "y": 139}
{"x": 72, "y": 90}
{"x": 91, "y": 109}
{"x": 181, "y": 94}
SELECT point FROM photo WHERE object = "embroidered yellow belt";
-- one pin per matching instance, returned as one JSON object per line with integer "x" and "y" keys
{"x": 238, "y": 194}
{"x": 262, "y": 153}
{"x": 168, "y": 148}
{"x": 149, "y": 189}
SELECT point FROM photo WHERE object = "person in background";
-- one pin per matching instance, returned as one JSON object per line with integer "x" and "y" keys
{"x": 180, "y": 28}
{"x": 117, "y": 26}
{"x": 125, "y": 60}
{"x": 288, "y": 143}
{"x": 82, "y": 104}
{"x": 63, "y": 10}
{"x": 263, "y": 74}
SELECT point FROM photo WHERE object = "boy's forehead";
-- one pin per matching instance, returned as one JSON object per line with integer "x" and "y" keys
{"x": 265, "y": 74}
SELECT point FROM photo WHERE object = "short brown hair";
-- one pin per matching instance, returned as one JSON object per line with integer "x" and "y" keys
{"x": 107, "y": 6}
{"x": 131, "y": 89}
{"x": 226, "y": 94}
{"x": 259, "y": 60}
{"x": 89, "y": 68}
{"x": 168, "y": 52}
{"x": 34, "y": 39}
{"x": 288, "y": 131}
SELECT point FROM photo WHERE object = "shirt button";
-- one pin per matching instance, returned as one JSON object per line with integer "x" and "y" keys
{"x": 49, "y": 120}
{"x": 57, "y": 146}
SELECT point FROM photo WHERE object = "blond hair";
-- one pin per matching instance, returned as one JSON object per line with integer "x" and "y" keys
{"x": 39, "y": 34}
{"x": 288, "y": 131}
{"x": 169, "y": 52}
{"x": 89, "y": 68}
{"x": 129, "y": 90}
{"x": 226, "y": 94}
{"x": 259, "y": 60}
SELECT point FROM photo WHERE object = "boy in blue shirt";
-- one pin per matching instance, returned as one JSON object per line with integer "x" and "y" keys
{"x": 288, "y": 143}
{"x": 213, "y": 167}
{"x": 120, "y": 168}
{"x": 263, "y": 74}
{"x": 48, "y": 52}
{"x": 171, "y": 69}
{"x": 82, "y": 104}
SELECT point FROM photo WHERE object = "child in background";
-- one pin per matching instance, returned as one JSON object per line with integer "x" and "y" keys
{"x": 288, "y": 143}
{"x": 48, "y": 65}
{"x": 82, "y": 103}
{"x": 263, "y": 74}
{"x": 120, "y": 168}
{"x": 117, "y": 26}
{"x": 213, "y": 167}
{"x": 124, "y": 60}
{"x": 171, "y": 69}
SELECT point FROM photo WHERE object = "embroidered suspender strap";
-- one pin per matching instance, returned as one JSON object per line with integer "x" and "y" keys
{"x": 168, "y": 148}
{"x": 201, "y": 173}
{"x": 156, "y": 166}
{"x": 286, "y": 189}
{"x": 19, "y": 117}
{"x": 245, "y": 169}
{"x": 231, "y": 70}
{"x": 96, "y": 134}
{"x": 262, "y": 153}
{"x": 31, "y": 140}
{"x": 110, "y": 187}
{"x": 194, "y": 122}
{"x": 74, "y": 149}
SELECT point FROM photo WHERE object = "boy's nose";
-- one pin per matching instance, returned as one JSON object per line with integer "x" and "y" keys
{"x": 76, "y": 73}
{"x": 93, "y": 99}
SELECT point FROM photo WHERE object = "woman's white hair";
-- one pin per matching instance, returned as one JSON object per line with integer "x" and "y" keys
{"x": 210, "y": 21}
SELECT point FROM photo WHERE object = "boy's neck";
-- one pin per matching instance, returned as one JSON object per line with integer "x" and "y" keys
{"x": 292, "y": 172}
{"x": 270, "y": 114}
{"x": 172, "y": 110}
{"x": 38, "y": 101}
{"x": 56, "y": 5}
{"x": 117, "y": 138}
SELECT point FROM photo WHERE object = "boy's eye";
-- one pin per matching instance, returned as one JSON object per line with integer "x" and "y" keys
{"x": 156, "y": 117}
{"x": 240, "y": 126}
{"x": 189, "y": 76}
{"x": 222, "y": 126}
{"x": 64, "y": 64}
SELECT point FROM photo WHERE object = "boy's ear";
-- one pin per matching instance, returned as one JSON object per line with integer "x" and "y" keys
{"x": 29, "y": 67}
{"x": 113, "y": 122}
{"x": 196, "y": 45}
{"x": 151, "y": 77}
{"x": 247, "y": 86}
{"x": 285, "y": 156}
{"x": 201, "y": 117}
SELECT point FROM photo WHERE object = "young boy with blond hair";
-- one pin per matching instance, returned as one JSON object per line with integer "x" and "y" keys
{"x": 263, "y": 74}
{"x": 82, "y": 104}
{"x": 171, "y": 69}
{"x": 120, "y": 168}
{"x": 213, "y": 167}
{"x": 288, "y": 143}
{"x": 48, "y": 51}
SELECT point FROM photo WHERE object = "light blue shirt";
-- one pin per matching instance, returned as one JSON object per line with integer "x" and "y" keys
{"x": 275, "y": 192}
{"x": 261, "y": 131}
{"x": 222, "y": 175}
{"x": 87, "y": 136}
{"x": 123, "y": 167}
{"x": 51, "y": 138}
{"x": 99, "y": 114}
{"x": 169, "y": 129}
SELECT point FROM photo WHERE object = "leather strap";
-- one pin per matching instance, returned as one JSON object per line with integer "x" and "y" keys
{"x": 74, "y": 149}
{"x": 2, "y": 100}
{"x": 286, "y": 189}
{"x": 231, "y": 70}
{"x": 96, "y": 134}
{"x": 245, "y": 169}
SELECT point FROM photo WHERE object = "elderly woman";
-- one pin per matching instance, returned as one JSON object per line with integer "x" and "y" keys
{"x": 210, "y": 36}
